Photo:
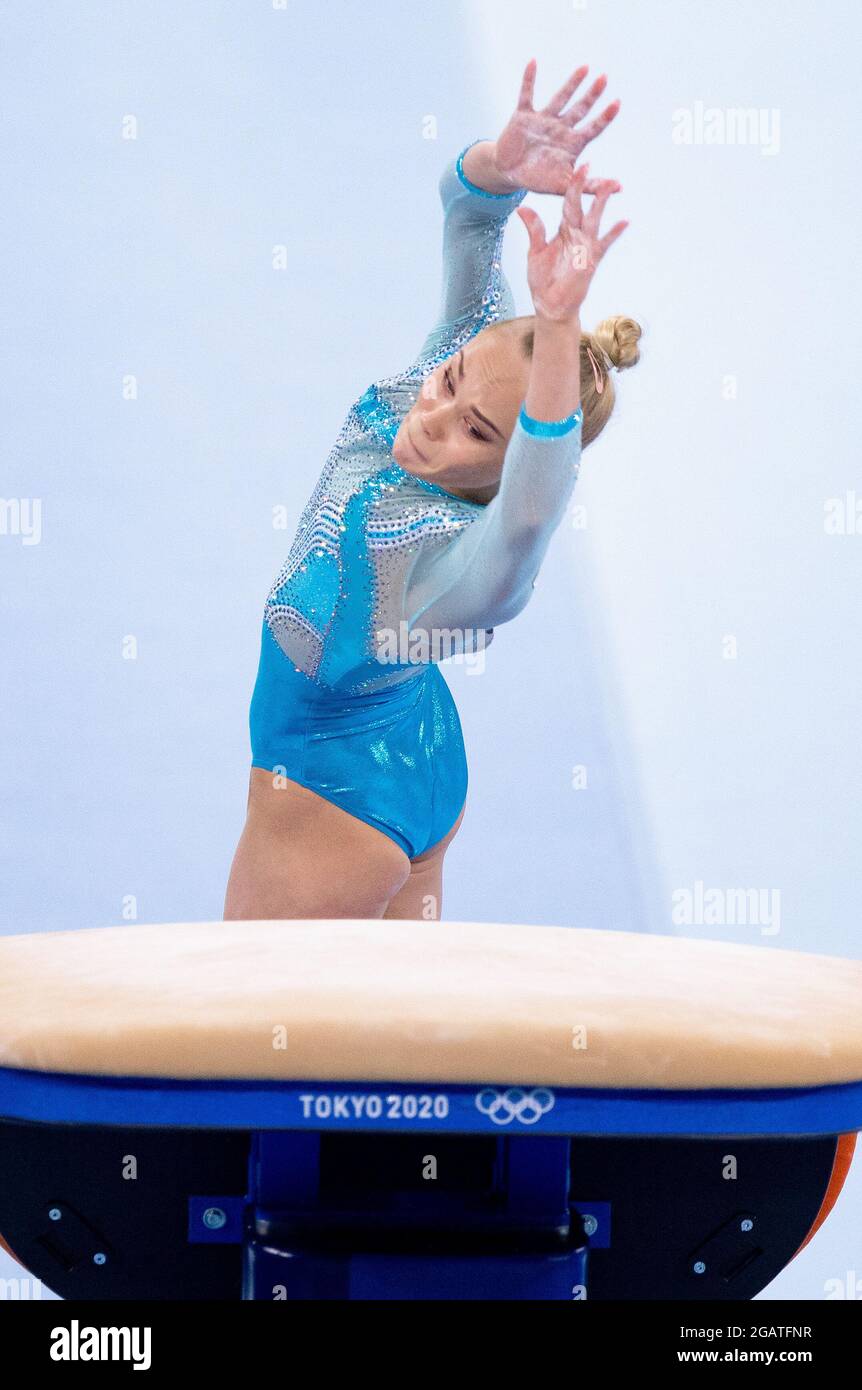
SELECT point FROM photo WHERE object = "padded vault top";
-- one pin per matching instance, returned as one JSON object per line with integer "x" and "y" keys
{"x": 427, "y": 1001}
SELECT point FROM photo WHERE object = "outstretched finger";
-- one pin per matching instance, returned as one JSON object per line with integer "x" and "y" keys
{"x": 611, "y": 237}
{"x": 535, "y": 227}
{"x": 559, "y": 99}
{"x": 591, "y": 186}
{"x": 525, "y": 99}
{"x": 573, "y": 211}
{"x": 579, "y": 110}
{"x": 601, "y": 122}
{"x": 594, "y": 216}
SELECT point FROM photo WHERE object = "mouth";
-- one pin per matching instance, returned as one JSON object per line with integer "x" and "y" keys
{"x": 413, "y": 446}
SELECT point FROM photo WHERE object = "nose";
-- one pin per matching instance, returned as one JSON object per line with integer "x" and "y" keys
{"x": 430, "y": 425}
{"x": 433, "y": 416}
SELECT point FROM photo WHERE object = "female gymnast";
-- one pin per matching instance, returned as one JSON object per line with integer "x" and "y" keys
{"x": 425, "y": 531}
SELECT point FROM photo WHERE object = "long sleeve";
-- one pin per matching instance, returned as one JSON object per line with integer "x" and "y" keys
{"x": 475, "y": 292}
{"x": 485, "y": 576}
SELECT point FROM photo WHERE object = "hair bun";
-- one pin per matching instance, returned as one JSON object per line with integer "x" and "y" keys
{"x": 618, "y": 337}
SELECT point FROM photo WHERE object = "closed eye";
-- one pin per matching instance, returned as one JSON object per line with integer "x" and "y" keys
{"x": 447, "y": 377}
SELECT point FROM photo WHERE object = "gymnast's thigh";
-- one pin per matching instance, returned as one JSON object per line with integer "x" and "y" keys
{"x": 301, "y": 855}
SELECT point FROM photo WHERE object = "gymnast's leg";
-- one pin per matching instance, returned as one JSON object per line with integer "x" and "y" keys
{"x": 299, "y": 856}
{"x": 421, "y": 897}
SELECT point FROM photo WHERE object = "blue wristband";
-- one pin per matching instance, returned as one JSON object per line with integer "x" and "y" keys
{"x": 550, "y": 429}
{"x": 518, "y": 193}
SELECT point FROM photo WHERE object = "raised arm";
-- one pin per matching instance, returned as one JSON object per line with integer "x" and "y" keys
{"x": 481, "y": 188}
{"x": 475, "y": 291}
{"x": 485, "y": 577}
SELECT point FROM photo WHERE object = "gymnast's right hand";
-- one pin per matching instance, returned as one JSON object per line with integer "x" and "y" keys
{"x": 538, "y": 149}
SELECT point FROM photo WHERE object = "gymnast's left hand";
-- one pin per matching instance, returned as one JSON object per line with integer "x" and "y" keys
{"x": 538, "y": 149}
{"x": 559, "y": 272}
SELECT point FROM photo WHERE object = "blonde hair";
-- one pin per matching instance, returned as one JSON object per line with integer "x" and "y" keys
{"x": 613, "y": 343}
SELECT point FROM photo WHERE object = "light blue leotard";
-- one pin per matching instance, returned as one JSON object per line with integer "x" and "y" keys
{"x": 339, "y": 705}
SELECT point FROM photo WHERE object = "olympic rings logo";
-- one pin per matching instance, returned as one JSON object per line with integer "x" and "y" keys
{"x": 502, "y": 1107}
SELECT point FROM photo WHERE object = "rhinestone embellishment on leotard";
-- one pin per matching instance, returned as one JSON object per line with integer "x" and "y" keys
{"x": 367, "y": 518}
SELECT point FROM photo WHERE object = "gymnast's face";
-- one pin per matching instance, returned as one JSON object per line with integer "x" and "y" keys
{"x": 457, "y": 433}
